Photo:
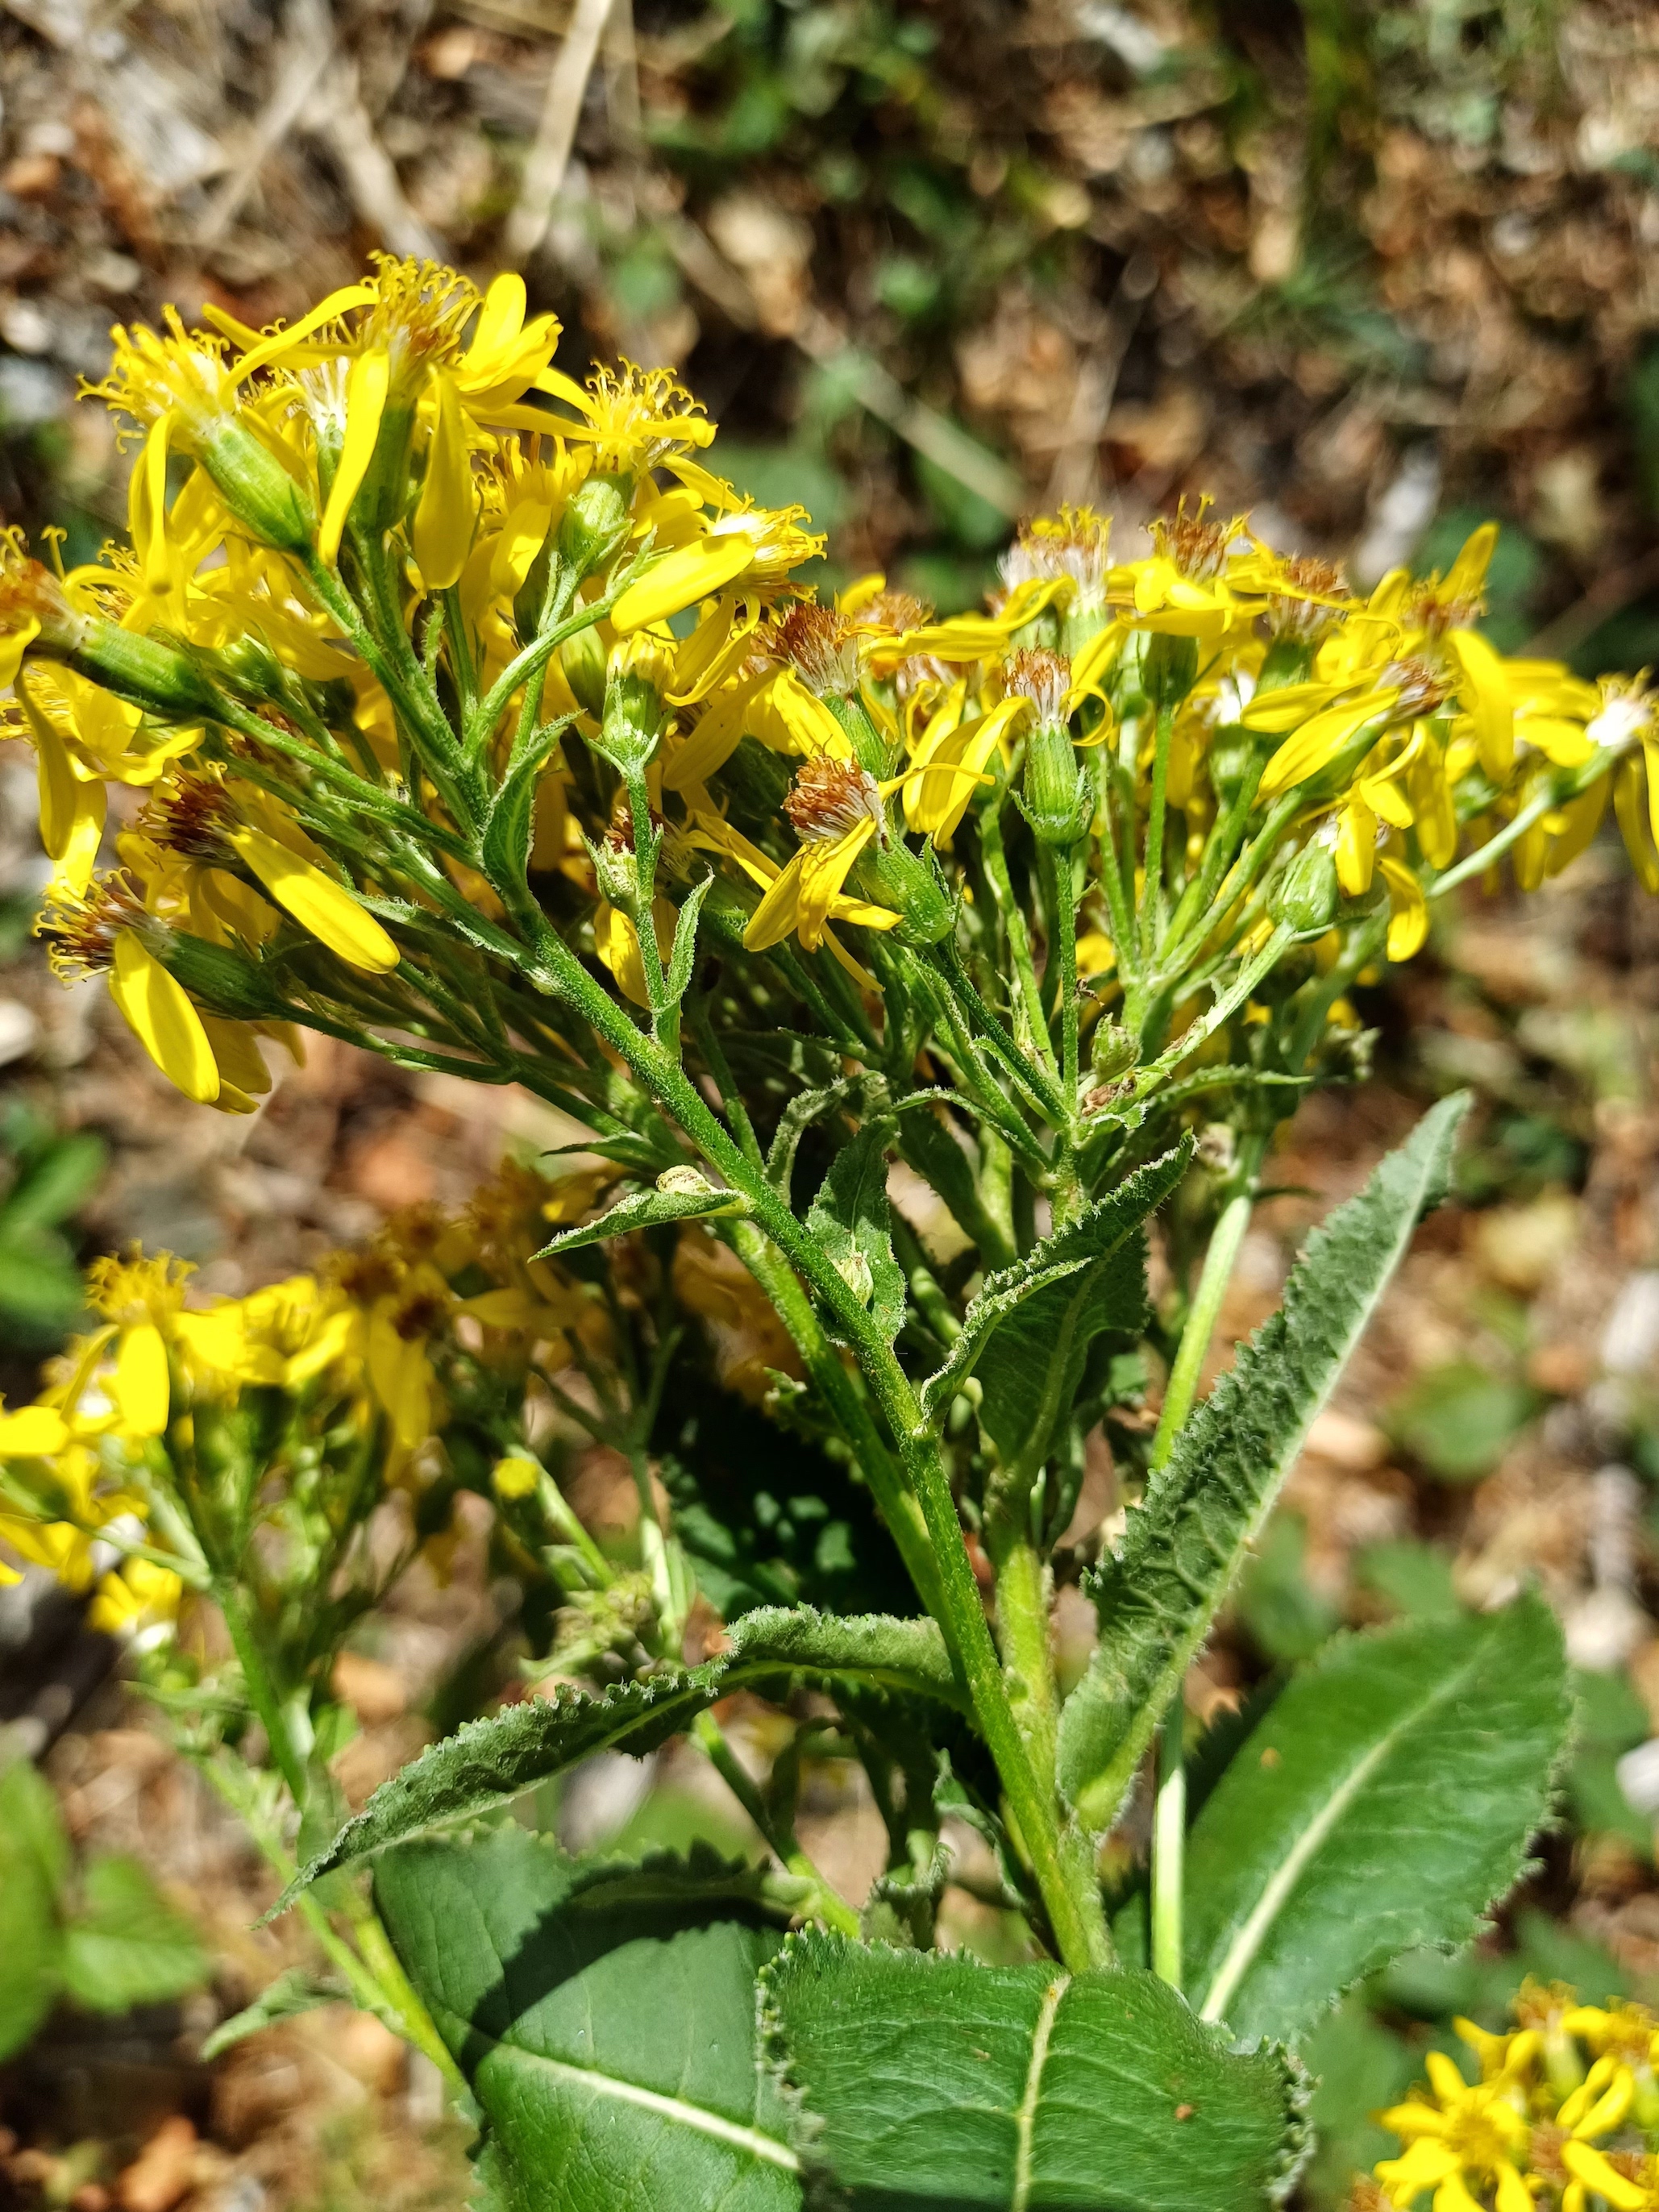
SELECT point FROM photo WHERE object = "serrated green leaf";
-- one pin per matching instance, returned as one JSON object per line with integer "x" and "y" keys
{"x": 488, "y": 1762}
{"x": 1056, "y": 1292}
{"x": 852, "y": 1093}
{"x": 127, "y": 1946}
{"x": 1184, "y": 1545}
{"x": 291, "y": 1994}
{"x": 506, "y": 836}
{"x": 607, "y": 2027}
{"x": 1298, "y": 1878}
{"x": 34, "y": 1857}
{"x": 649, "y": 1209}
{"x": 850, "y": 1219}
{"x": 684, "y": 949}
{"x": 930, "y": 2081}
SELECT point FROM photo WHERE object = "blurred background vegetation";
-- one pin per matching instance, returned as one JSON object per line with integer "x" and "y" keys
{"x": 1374, "y": 270}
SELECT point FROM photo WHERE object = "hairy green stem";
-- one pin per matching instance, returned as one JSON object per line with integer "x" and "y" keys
{"x": 1169, "y": 1849}
{"x": 829, "y": 1905}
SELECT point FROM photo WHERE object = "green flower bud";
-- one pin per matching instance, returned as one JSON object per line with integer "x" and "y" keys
{"x": 145, "y": 671}
{"x": 1235, "y": 755}
{"x": 257, "y": 488}
{"x": 1054, "y": 790}
{"x": 634, "y": 712}
{"x": 1308, "y": 893}
{"x": 1112, "y": 1051}
{"x": 912, "y": 884}
{"x": 593, "y": 525}
{"x": 221, "y": 977}
{"x": 1287, "y": 661}
{"x": 1171, "y": 670}
{"x": 582, "y": 659}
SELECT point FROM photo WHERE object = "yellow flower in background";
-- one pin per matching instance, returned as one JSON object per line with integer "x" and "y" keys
{"x": 1459, "y": 2134}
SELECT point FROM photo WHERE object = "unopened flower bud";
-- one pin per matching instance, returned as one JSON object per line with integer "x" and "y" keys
{"x": 224, "y": 979}
{"x": 634, "y": 712}
{"x": 1171, "y": 669}
{"x": 1111, "y": 1052}
{"x": 1309, "y": 893}
{"x": 593, "y": 525}
{"x": 256, "y": 487}
{"x": 582, "y": 659}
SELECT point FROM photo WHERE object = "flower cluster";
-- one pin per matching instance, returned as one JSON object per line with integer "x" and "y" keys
{"x": 172, "y": 1432}
{"x": 439, "y": 674}
{"x": 1564, "y": 2112}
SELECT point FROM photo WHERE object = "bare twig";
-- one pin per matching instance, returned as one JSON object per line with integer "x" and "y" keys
{"x": 376, "y": 194}
{"x": 544, "y": 172}
{"x": 309, "y": 49}
{"x": 920, "y": 426}
{"x": 1076, "y": 472}
{"x": 1604, "y": 599}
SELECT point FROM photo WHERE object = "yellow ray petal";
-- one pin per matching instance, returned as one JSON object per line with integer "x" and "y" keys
{"x": 367, "y": 384}
{"x": 317, "y": 902}
{"x": 33, "y": 1432}
{"x": 163, "y": 1019}
{"x": 1318, "y": 742}
{"x": 448, "y": 508}
{"x": 680, "y": 578}
{"x": 139, "y": 1386}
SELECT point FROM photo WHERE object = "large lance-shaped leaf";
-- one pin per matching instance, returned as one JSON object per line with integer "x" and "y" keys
{"x": 1029, "y": 1328}
{"x": 929, "y": 2081}
{"x": 1384, "y": 1802}
{"x": 490, "y": 1762}
{"x": 1185, "y": 1543}
{"x": 606, "y": 2025}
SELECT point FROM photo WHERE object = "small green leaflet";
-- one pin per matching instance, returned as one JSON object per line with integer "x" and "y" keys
{"x": 489, "y": 1761}
{"x": 1056, "y": 1299}
{"x": 851, "y": 1220}
{"x": 34, "y": 1860}
{"x": 1446, "y": 1732}
{"x": 928, "y": 2082}
{"x": 125, "y": 1945}
{"x": 292, "y": 1992}
{"x": 1186, "y": 1542}
{"x": 681, "y": 1195}
{"x": 506, "y": 838}
{"x": 606, "y": 2019}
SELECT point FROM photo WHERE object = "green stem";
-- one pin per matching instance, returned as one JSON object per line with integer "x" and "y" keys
{"x": 1028, "y": 1002}
{"x": 1153, "y": 897}
{"x": 961, "y": 1614}
{"x": 829, "y": 1905}
{"x": 261, "y": 1694}
{"x": 413, "y": 2018}
{"x": 1205, "y": 1308}
{"x": 1169, "y": 1849}
{"x": 1478, "y": 863}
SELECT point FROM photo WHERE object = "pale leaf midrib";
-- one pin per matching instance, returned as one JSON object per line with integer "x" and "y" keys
{"x": 1246, "y": 1945}
{"x": 1026, "y": 2118}
{"x": 763, "y": 2148}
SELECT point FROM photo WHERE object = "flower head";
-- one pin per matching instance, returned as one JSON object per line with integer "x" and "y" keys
{"x": 1070, "y": 547}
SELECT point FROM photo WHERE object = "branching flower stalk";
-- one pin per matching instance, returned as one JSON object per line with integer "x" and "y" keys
{"x": 465, "y": 713}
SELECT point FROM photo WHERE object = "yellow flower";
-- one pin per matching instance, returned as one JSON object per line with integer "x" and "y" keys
{"x": 757, "y": 545}
{"x": 632, "y": 418}
{"x": 1184, "y": 590}
{"x": 317, "y": 901}
{"x": 836, "y": 808}
{"x": 1468, "y": 2133}
{"x": 140, "y": 1596}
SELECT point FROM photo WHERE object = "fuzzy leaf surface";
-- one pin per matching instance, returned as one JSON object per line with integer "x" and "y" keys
{"x": 490, "y": 1762}
{"x": 1385, "y": 1802}
{"x": 606, "y": 2019}
{"x": 929, "y": 2082}
{"x": 1185, "y": 1543}
{"x": 647, "y": 1209}
{"x": 1029, "y": 1331}
{"x": 851, "y": 1220}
